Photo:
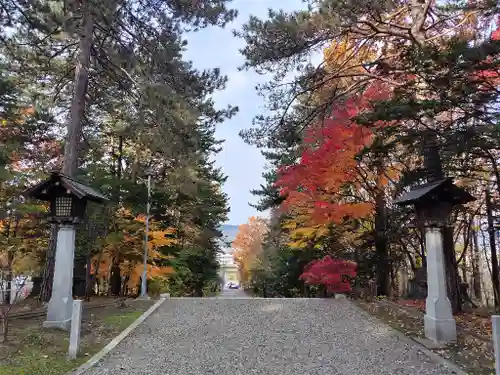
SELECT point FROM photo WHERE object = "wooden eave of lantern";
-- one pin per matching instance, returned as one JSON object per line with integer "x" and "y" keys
{"x": 68, "y": 197}
{"x": 435, "y": 200}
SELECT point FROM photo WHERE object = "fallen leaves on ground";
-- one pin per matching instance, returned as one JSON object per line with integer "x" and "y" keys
{"x": 470, "y": 320}
{"x": 478, "y": 324}
{"x": 471, "y": 353}
{"x": 415, "y": 303}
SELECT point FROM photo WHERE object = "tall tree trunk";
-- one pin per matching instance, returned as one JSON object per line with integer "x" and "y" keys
{"x": 452, "y": 277}
{"x": 494, "y": 259}
{"x": 75, "y": 126}
{"x": 134, "y": 170}
{"x": 421, "y": 242}
{"x": 89, "y": 280}
{"x": 108, "y": 279}
{"x": 91, "y": 238}
{"x": 120, "y": 159}
{"x": 48, "y": 270}
{"x": 463, "y": 263}
{"x": 488, "y": 267}
{"x": 115, "y": 279}
{"x": 97, "y": 267}
{"x": 383, "y": 266}
{"x": 8, "y": 280}
{"x": 383, "y": 271}
{"x": 476, "y": 274}
{"x": 9, "y": 297}
{"x": 77, "y": 111}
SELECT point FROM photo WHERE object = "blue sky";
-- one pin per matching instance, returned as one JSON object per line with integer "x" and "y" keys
{"x": 213, "y": 47}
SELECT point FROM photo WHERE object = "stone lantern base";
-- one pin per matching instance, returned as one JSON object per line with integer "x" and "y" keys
{"x": 439, "y": 323}
{"x": 440, "y": 330}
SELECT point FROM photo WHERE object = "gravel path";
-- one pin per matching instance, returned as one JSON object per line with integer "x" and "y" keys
{"x": 222, "y": 336}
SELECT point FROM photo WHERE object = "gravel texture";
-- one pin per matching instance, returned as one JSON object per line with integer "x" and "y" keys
{"x": 233, "y": 336}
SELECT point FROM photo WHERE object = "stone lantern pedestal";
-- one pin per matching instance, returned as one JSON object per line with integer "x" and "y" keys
{"x": 439, "y": 323}
{"x": 60, "y": 305}
{"x": 434, "y": 203}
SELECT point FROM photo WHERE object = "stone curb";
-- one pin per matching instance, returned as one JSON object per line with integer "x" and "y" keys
{"x": 118, "y": 339}
{"x": 433, "y": 356}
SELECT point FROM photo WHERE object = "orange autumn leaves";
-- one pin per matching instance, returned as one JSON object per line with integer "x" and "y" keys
{"x": 126, "y": 248}
{"x": 325, "y": 185}
{"x": 343, "y": 65}
{"x": 247, "y": 245}
{"x": 22, "y": 237}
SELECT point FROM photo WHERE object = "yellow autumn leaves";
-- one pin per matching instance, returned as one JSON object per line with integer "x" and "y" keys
{"x": 128, "y": 248}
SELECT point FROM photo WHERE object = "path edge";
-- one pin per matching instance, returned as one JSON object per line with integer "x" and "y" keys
{"x": 436, "y": 358}
{"x": 80, "y": 370}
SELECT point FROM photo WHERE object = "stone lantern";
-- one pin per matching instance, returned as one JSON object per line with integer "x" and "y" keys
{"x": 68, "y": 199}
{"x": 433, "y": 204}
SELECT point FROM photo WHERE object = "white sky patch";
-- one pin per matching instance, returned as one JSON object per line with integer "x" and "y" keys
{"x": 218, "y": 48}
{"x": 237, "y": 83}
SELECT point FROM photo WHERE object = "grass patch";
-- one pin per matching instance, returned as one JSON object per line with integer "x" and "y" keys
{"x": 33, "y": 361}
{"x": 32, "y": 350}
{"x": 122, "y": 321}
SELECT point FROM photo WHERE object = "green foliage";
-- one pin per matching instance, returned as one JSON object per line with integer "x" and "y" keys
{"x": 195, "y": 272}
{"x": 278, "y": 270}
{"x": 158, "y": 285}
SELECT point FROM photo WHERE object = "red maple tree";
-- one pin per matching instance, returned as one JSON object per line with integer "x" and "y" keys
{"x": 329, "y": 164}
{"x": 334, "y": 274}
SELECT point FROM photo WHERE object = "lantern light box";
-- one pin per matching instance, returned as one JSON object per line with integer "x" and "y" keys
{"x": 68, "y": 197}
{"x": 434, "y": 201}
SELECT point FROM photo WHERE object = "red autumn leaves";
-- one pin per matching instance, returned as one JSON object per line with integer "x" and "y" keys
{"x": 489, "y": 77}
{"x": 328, "y": 165}
{"x": 334, "y": 274}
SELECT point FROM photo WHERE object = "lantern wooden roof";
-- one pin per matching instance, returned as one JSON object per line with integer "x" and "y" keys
{"x": 437, "y": 191}
{"x": 41, "y": 191}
